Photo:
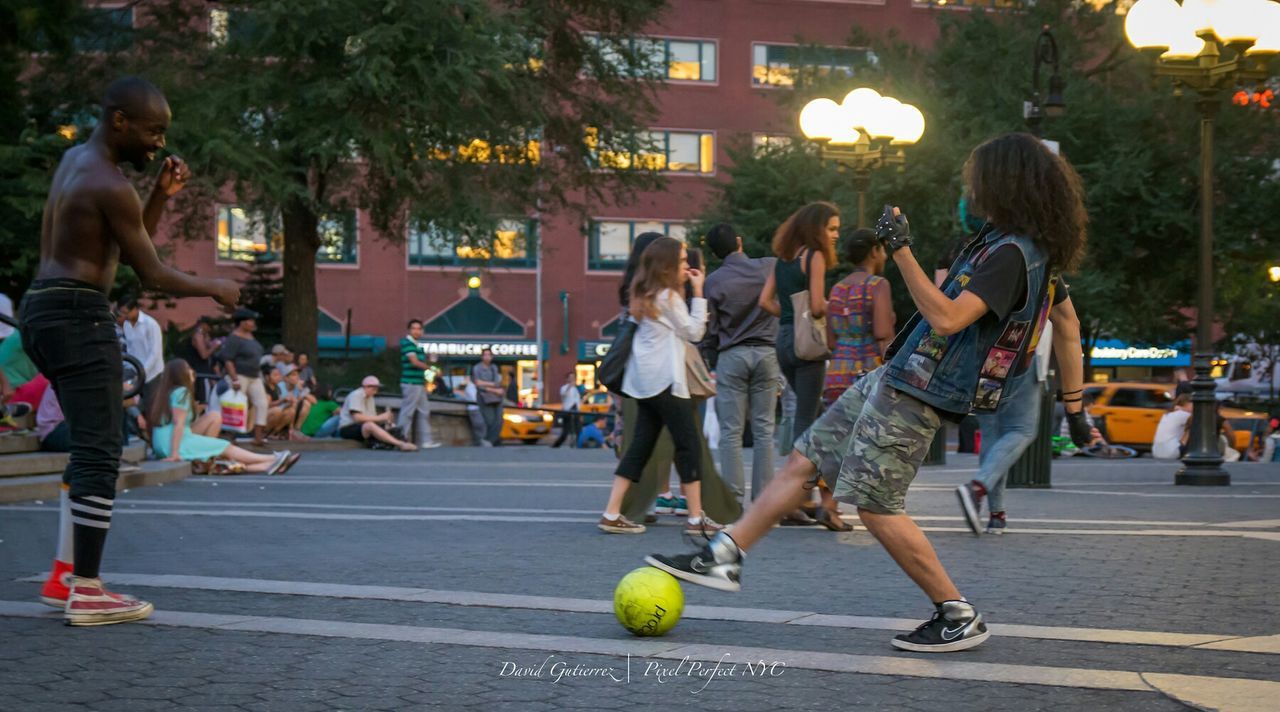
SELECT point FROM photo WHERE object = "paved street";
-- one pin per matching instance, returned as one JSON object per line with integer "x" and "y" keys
{"x": 475, "y": 579}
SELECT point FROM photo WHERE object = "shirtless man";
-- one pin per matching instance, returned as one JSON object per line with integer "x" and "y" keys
{"x": 92, "y": 220}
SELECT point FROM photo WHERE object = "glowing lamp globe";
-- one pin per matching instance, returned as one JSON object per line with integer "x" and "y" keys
{"x": 1268, "y": 23}
{"x": 1153, "y": 24}
{"x": 910, "y": 125}
{"x": 883, "y": 122}
{"x": 861, "y": 105}
{"x": 819, "y": 119}
{"x": 1237, "y": 20}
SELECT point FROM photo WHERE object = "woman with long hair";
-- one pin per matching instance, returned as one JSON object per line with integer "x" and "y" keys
{"x": 655, "y": 377}
{"x": 860, "y": 316}
{"x": 174, "y": 404}
{"x": 805, "y": 248}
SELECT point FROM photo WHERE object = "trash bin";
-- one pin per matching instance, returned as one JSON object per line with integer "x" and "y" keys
{"x": 1033, "y": 468}
{"x": 937, "y": 454}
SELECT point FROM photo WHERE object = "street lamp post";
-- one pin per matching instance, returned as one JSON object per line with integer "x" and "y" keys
{"x": 1034, "y": 111}
{"x": 1189, "y": 41}
{"x": 862, "y": 133}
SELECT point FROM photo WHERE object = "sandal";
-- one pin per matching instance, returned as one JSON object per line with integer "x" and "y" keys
{"x": 289, "y": 463}
{"x": 832, "y": 521}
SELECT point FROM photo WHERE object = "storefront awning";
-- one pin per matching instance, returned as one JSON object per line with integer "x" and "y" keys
{"x": 473, "y": 316}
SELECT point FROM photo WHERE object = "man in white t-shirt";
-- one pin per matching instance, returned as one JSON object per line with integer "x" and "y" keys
{"x": 359, "y": 418}
{"x": 145, "y": 342}
{"x": 1171, "y": 434}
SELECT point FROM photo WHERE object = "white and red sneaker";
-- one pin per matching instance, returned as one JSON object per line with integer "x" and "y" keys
{"x": 91, "y": 604}
{"x": 57, "y": 587}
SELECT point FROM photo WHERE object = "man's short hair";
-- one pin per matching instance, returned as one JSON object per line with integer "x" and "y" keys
{"x": 723, "y": 240}
{"x": 412, "y": 322}
{"x": 131, "y": 94}
{"x": 128, "y": 302}
{"x": 1182, "y": 400}
{"x": 486, "y": 350}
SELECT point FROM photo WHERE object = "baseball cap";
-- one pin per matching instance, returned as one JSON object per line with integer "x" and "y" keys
{"x": 243, "y": 313}
{"x": 279, "y": 349}
{"x": 371, "y": 381}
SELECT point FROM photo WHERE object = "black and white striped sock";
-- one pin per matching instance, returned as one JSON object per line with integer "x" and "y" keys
{"x": 90, "y": 520}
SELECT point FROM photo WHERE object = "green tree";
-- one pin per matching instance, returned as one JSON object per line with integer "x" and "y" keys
{"x": 454, "y": 114}
{"x": 1130, "y": 138}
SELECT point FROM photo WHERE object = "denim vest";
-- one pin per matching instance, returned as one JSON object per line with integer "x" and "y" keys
{"x": 968, "y": 371}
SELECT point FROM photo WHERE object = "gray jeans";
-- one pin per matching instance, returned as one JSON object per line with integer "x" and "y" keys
{"x": 415, "y": 410}
{"x": 747, "y": 380}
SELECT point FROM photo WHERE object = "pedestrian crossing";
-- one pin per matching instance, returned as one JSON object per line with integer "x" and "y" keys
{"x": 635, "y": 656}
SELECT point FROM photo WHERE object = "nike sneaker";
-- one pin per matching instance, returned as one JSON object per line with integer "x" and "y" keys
{"x": 718, "y": 564}
{"x": 956, "y": 625}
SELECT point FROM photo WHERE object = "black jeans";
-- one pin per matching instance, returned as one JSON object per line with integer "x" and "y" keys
{"x": 568, "y": 429}
{"x": 806, "y": 378}
{"x": 652, "y": 414}
{"x": 68, "y": 332}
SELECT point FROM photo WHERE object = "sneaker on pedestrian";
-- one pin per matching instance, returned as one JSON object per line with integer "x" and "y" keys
{"x": 681, "y": 506}
{"x": 718, "y": 564}
{"x": 997, "y": 525}
{"x": 970, "y": 496}
{"x": 650, "y": 519}
{"x": 621, "y": 525}
{"x": 705, "y": 527}
{"x": 89, "y": 603}
{"x": 57, "y": 587}
{"x": 665, "y": 504}
{"x": 431, "y": 445}
{"x": 956, "y": 625}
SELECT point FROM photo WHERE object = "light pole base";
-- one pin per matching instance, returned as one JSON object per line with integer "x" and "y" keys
{"x": 1201, "y": 476}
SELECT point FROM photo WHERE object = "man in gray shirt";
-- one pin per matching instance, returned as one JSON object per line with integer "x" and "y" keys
{"x": 747, "y": 375}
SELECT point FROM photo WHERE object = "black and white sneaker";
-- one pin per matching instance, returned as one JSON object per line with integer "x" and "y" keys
{"x": 716, "y": 565}
{"x": 970, "y": 496}
{"x": 997, "y": 525}
{"x": 956, "y": 625}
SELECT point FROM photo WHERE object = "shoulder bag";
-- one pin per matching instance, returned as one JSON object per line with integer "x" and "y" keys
{"x": 614, "y": 364}
{"x": 810, "y": 333}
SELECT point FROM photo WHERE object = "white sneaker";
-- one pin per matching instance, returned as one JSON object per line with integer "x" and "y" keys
{"x": 430, "y": 445}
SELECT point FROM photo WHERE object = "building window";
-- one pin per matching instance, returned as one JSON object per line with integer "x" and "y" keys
{"x": 245, "y": 236}
{"x": 611, "y": 240}
{"x": 675, "y": 60}
{"x": 338, "y": 238}
{"x": 105, "y": 29}
{"x": 670, "y": 151}
{"x": 233, "y": 27}
{"x": 778, "y": 65}
{"x": 513, "y": 244}
{"x": 990, "y": 4}
{"x": 765, "y": 142}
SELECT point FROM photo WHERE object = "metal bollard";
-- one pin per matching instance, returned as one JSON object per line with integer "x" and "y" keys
{"x": 1033, "y": 468}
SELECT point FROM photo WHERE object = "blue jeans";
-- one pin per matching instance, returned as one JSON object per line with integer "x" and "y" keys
{"x": 747, "y": 396}
{"x": 1006, "y": 434}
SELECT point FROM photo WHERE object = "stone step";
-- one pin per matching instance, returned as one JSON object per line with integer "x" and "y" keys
{"x": 44, "y": 463}
{"x": 11, "y": 443}
{"x": 45, "y": 487}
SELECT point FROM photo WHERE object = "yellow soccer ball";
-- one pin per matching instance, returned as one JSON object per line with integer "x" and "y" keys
{"x": 648, "y": 601}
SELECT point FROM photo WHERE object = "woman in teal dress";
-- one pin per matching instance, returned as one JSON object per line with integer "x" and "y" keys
{"x": 174, "y": 404}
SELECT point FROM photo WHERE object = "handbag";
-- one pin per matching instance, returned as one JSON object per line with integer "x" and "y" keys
{"x": 810, "y": 332}
{"x": 697, "y": 376}
{"x": 614, "y": 364}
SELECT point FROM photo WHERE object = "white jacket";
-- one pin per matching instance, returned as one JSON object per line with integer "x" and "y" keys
{"x": 657, "y": 353}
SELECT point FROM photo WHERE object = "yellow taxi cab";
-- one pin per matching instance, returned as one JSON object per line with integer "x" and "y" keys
{"x": 527, "y": 426}
{"x": 1130, "y": 412}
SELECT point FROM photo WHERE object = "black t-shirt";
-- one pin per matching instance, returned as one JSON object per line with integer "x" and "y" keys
{"x": 1001, "y": 282}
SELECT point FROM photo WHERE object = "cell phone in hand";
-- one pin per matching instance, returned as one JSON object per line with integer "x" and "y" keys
{"x": 695, "y": 258}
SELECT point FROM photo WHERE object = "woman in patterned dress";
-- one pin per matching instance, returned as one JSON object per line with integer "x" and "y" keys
{"x": 860, "y": 318}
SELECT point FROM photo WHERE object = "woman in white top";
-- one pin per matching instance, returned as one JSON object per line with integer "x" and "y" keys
{"x": 655, "y": 377}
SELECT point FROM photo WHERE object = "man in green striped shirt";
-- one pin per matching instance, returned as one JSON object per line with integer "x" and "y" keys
{"x": 415, "y": 407}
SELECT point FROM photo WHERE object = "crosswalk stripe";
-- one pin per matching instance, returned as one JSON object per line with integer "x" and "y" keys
{"x": 717, "y": 613}
{"x": 1223, "y": 693}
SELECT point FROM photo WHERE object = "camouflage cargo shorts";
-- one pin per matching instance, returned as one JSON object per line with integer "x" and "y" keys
{"x": 874, "y": 438}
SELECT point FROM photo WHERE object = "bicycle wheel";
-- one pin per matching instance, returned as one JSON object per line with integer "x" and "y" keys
{"x": 1110, "y": 452}
{"x": 134, "y": 376}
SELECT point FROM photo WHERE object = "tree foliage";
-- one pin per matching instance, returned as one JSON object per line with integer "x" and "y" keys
{"x": 1133, "y": 141}
{"x": 455, "y": 114}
